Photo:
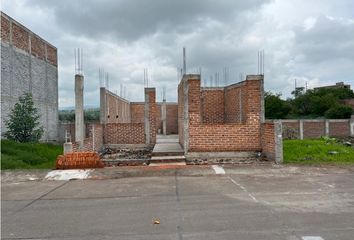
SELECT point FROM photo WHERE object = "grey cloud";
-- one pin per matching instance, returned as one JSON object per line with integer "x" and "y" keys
{"x": 133, "y": 19}
{"x": 328, "y": 39}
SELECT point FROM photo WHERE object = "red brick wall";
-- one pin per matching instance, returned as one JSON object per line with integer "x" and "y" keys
{"x": 212, "y": 104}
{"x": 137, "y": 112}
{"x": 158, "y": 118}
{"x": 339, "y": 129}
{"x": 124, "y": 133}
{"x": 37, "y": 47}
{"x": 117, "y": 108}
{"x": 290, "y": 128}
{"x": 314, "y": 129}
{"x": 52, "y": 55}
{"x": 229, "y": 136}
{"x": 5, "y": 29}
{"x": 172, "y": 119}
{"x": 235, "y": 110}
{"x": 20, "y": 37}
{"x": 268, "y": 140}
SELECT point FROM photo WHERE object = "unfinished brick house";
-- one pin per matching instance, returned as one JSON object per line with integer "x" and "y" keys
{"x": 214, "y": 124}
{"x": 226, "y": 122}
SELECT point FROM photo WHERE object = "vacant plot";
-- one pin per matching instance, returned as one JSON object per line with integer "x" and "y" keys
{"x": 319, "y": 151}
{"x": 16, "y": 155}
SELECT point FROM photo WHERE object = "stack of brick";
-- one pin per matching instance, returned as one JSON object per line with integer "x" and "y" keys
{"x": 79, "y": 160}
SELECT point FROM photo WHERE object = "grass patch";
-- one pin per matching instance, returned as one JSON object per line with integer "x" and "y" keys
{"x": 16, "y": 155}
{"x": 319, "y": 151}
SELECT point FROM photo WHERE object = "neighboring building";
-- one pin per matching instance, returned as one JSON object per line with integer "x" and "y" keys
{"x": 337, "y": 85}
{"x": 28, "y": 64}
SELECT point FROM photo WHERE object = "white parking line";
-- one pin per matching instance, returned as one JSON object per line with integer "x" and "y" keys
{"x": 68, "y": 174}
{"x": 312, "y": 238}
{"x": 243, "y": 189}
{"x": 218, "y": 169}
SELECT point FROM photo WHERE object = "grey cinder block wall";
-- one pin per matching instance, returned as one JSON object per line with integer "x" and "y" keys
{"x": 28, "y": 64}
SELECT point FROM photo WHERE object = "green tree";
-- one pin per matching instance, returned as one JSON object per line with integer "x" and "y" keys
{"x": 339, "y": 111}
{"x": 316, "y": 103}
{"x": 23, "y": 124}
{"x": 275, "y": 107}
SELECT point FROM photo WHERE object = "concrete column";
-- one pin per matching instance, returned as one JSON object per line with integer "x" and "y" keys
{"x": 163, "y": 116}
{"x": 327, "y": 127}
{"x": 278, "y": 141}
{"x": 301, "y": 129}
{"x": 185, "y": 115}
{"x": 103, "y": 105}
{"x": 351, "y": 125}
{"x": 79, "y": 110}
{"x": 146, "y": 118}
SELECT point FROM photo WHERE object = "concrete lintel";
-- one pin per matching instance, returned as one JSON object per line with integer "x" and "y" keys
{"x": 207, "y": 155}
{"x": 254, "y": 77}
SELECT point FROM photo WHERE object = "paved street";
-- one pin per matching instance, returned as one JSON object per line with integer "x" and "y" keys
{"x": 190, "y": 203}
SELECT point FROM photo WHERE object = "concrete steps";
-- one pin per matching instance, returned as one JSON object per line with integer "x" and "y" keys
{"x": 167, "y": 150}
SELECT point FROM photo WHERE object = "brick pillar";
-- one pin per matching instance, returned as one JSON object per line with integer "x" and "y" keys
{"x": 192, "y": 107}
{"x": 150, "y": 116}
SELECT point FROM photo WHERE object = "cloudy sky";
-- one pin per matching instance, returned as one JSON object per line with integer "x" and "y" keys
{"x": 308, "y": 40}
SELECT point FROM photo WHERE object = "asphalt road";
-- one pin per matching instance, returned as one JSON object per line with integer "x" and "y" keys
{"x": 241, "y": 204}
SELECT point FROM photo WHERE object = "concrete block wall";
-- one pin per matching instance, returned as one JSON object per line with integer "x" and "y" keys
{"x": 28, "y": 64}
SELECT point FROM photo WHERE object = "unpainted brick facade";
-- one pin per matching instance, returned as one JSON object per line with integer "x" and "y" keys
{"x": 228, "y": 119}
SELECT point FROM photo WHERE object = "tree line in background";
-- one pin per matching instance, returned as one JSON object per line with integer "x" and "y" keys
{"x": 89, "y": 115}
{"x": 314, "y": 103}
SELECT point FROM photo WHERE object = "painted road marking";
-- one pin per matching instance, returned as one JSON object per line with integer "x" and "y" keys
{"x": 312, "y": 238}
{"x": 243, "y": 189}
{"x": 68, "y": 174}
{"x": 218, "y": 169}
